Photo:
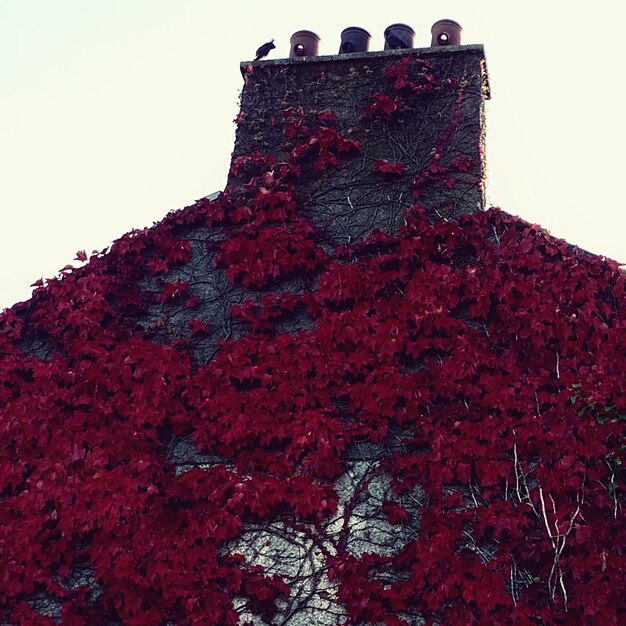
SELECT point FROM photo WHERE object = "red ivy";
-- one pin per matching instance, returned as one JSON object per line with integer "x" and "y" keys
{"x": 483, "y": 358}
{"x": 387, "y": 169}
{"x": 259, "y": 257}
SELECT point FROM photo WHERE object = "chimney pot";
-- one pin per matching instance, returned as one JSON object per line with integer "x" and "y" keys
{"x": 446, "y": 33}
{"x": 399, "y": 36}
{"x": 304, "y": 43}
{"x": 354, "y": 39}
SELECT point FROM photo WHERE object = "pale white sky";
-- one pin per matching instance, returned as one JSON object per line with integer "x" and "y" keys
{"x": 113, "y": 112}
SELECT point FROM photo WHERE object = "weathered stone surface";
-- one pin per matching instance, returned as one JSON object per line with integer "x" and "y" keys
{"x": 351, "y": 201}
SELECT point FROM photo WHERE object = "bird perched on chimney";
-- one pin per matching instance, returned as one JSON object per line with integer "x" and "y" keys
{"x": 393, "y": 41}
{"x": 263, "y": 51}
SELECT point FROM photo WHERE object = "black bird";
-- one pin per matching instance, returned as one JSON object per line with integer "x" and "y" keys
{"x": 263, "y": 51}
{"x": 393, "y": 41}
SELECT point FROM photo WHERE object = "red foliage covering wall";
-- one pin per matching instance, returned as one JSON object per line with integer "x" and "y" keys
{"x": 492, "y": 351}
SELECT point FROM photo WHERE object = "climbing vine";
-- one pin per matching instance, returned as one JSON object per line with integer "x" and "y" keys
{"x": 234, "y": 418}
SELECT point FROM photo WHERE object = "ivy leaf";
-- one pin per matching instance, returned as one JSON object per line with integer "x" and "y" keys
{"x": 391, "y": 170}
{"x": 395, "y": 512}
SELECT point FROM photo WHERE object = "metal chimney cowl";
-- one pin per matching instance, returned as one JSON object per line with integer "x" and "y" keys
{"x": 354, "y": 39}
{"x": 401, "y": 32}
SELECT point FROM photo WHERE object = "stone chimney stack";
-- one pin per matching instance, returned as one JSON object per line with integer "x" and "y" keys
{"x": 413, "y": 120}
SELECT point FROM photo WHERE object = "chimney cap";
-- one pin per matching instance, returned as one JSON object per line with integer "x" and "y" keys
{"x": 447, "y": 22}
{"x": 446, "y": 33}
{"x": 354, "y": 39}
{"x": 403, "y": 26}
{"x": 303, "y": 43}
{"x": 355, "y": 29}
{"x": 307, "y": 33}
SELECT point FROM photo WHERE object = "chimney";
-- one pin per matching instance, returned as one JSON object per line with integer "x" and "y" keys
{"x": 399, "y": 36}
{"x": 446, "y": 33}
{"x": 371, "y": 134}
{"x": 304, "y": 43}
{"x": 354, "y": 39}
